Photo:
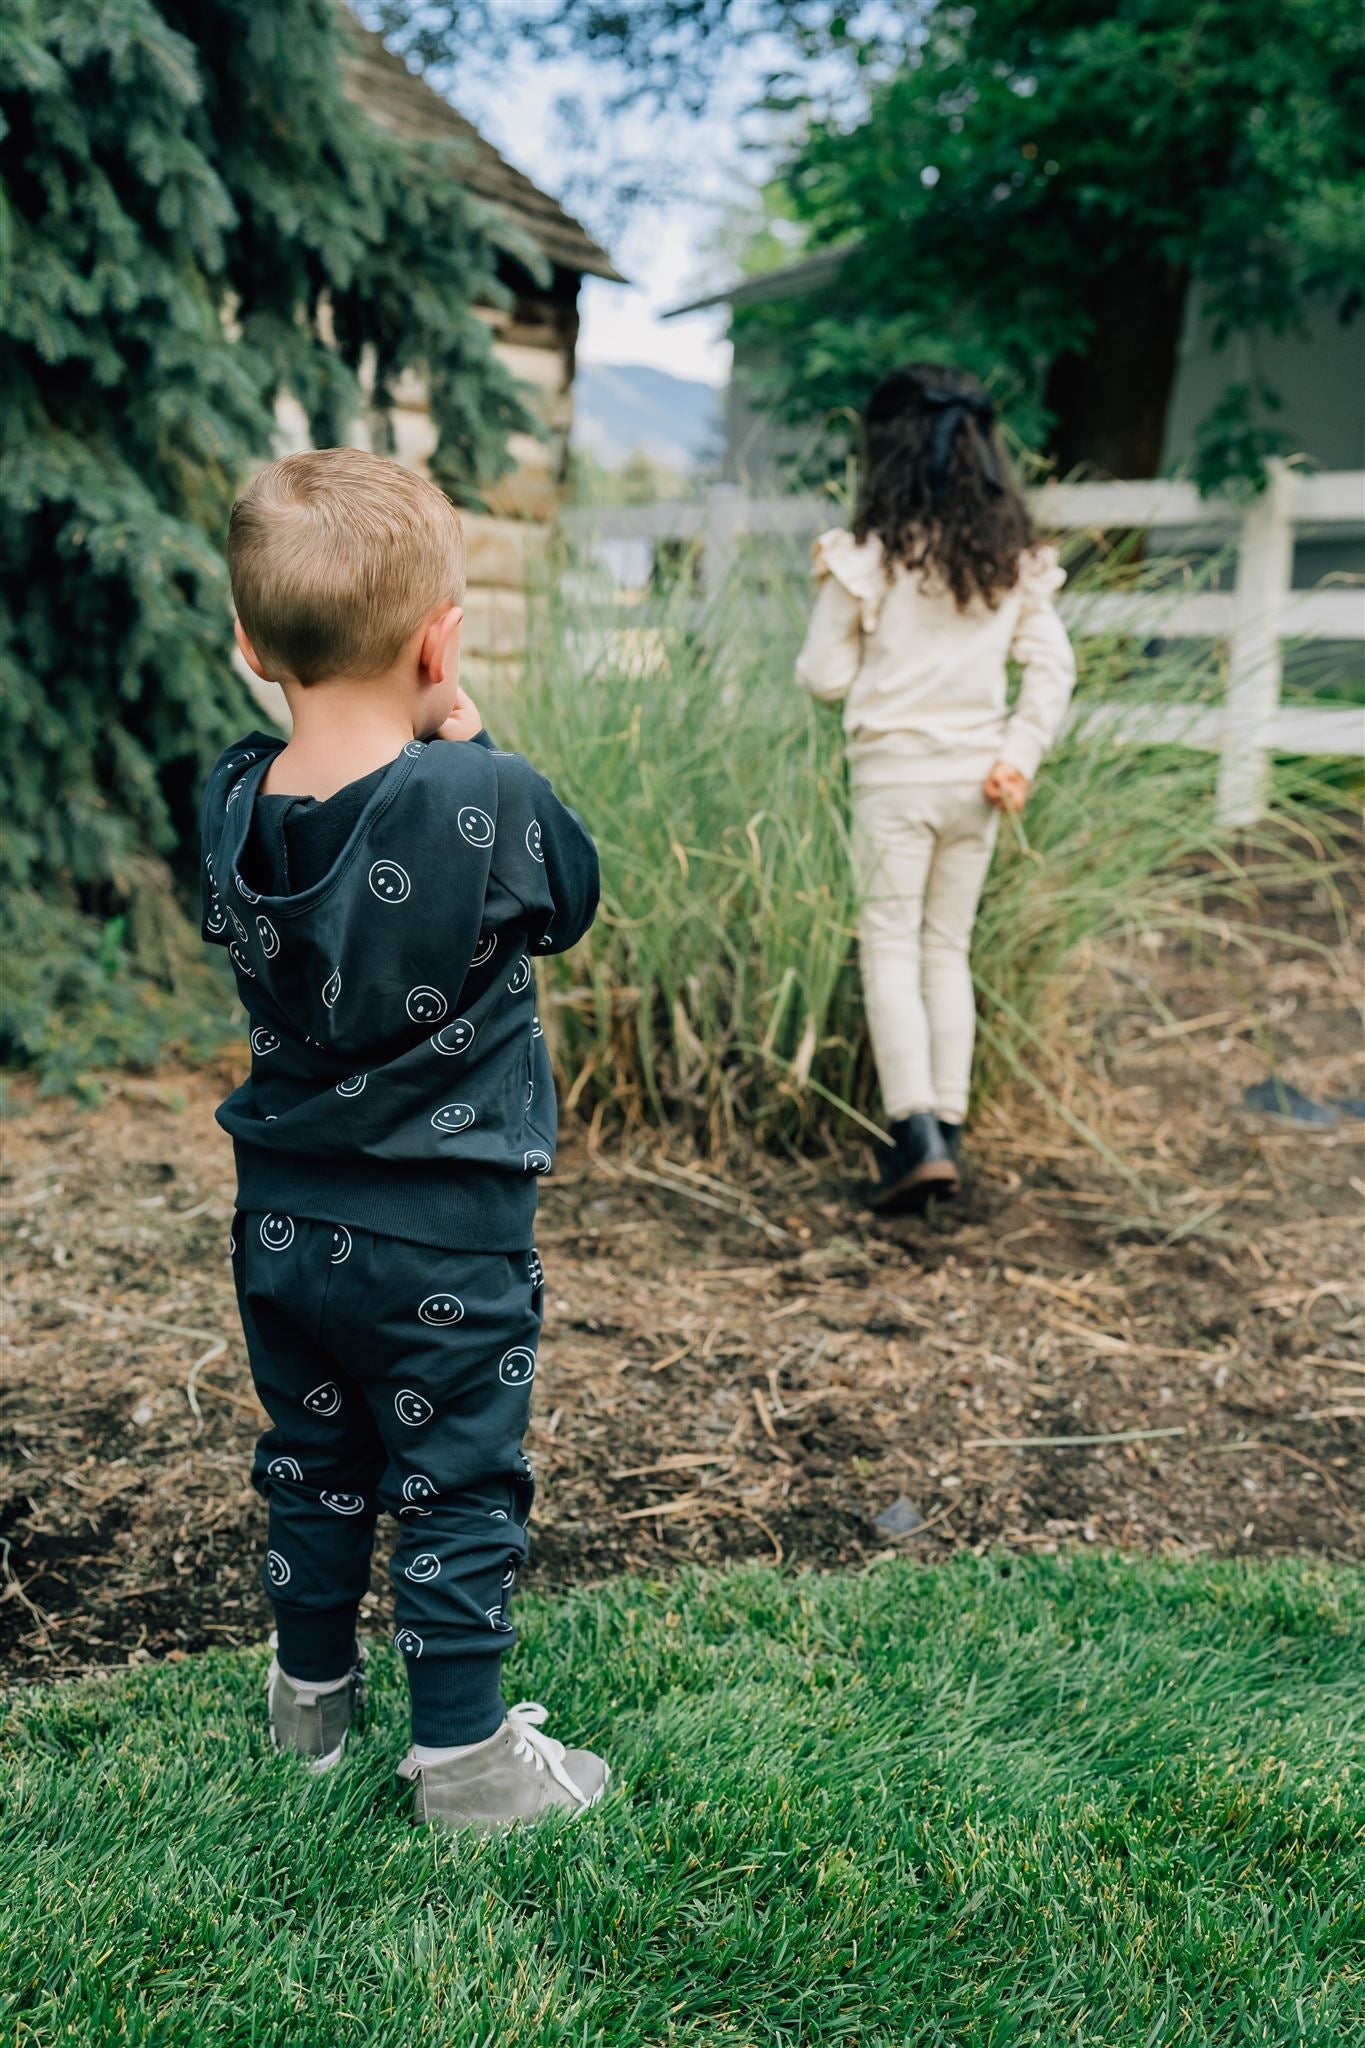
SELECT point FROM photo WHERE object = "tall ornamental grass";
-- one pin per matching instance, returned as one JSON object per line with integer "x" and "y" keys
{"x": 718, "y": 992}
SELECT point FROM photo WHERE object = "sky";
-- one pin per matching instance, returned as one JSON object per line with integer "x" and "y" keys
{"x": 661, "y": 247}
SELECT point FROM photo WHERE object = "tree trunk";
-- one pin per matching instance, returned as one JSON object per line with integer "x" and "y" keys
{"x": 1110, "y": 401}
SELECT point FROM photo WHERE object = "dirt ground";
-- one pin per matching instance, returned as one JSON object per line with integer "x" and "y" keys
{"x": 742, "y": 1364}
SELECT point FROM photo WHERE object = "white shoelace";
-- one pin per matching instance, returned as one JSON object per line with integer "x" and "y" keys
{"x": 526, "y": 1720}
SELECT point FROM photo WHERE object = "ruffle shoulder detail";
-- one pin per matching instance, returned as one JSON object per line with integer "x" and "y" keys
{"x": 1041, "y": 575}
{"x": 857, "y": 565}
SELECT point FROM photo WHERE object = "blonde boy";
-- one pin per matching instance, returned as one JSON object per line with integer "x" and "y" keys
{"x": 382, "y": 883}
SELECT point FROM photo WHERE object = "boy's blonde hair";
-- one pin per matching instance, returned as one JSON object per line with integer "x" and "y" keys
{"x": 336, "y": 558}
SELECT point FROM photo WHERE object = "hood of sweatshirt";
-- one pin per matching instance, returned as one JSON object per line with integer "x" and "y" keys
{"x": 370, "y": 959}
{"x": 399, "y": 1078}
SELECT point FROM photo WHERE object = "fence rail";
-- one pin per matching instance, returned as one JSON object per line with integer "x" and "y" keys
{"x": 1254, "y": 618}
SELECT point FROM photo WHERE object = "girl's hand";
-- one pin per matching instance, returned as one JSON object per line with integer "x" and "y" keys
{"x": 463, "y": 722}
{"x": 1005, "y": 787}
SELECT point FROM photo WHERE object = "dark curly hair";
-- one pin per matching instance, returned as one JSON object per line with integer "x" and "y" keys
{"x": 937, "y": 489}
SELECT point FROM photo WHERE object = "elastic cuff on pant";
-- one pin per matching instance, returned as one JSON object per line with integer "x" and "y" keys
{"x": 455, "y": 1699}
{"x": 315, "y": 1643}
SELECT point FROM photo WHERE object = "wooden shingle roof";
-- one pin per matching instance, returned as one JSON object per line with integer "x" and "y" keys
{"x": 407, "y": 106}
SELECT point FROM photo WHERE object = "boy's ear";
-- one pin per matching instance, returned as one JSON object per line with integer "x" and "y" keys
{"x": 248, "y": 653}
{"x": 439, "y": 654}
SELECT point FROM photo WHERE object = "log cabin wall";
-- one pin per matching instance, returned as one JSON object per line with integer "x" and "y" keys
{"x": 535, "y": 336}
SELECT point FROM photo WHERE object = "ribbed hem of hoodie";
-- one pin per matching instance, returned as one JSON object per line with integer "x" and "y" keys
{"x": 480, "y": 1210}
{"x": 897, "y": 760}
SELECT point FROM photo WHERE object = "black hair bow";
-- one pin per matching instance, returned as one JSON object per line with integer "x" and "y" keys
{"x": 952, "y": 407}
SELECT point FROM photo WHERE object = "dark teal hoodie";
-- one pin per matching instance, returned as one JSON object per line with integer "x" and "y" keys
{"x": 399, "y": 1081}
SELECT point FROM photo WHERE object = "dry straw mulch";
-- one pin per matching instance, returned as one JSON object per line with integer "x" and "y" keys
{"x": 739, "y": 1364}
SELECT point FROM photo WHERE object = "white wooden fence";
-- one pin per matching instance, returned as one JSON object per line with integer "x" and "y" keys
{"x": 1254, "y": 618}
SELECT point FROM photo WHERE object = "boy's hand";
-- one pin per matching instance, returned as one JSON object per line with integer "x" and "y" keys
{"x": 1005, "y": 787}
{"x": 464, "y": 720}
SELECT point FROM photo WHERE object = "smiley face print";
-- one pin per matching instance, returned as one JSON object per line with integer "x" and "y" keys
{"x": 535, "y": 1271}
{"x": 424, "y": 1567}
{"x": 520, "y": 976}
{"x": 277, "y": 1233}
{"x": 216, "y": 921}
{"x": 263, "y": 1042}
{"x": 341, "y": 1245}
{"x": 324, "y": 1400}
{"x": 277, "y": 1569}
{"x": 537, "y": 1162}
{"x": 343, "y": 1503}
{"x": 409, "y": 1642}
{"x": 457, "y": 1036}
{"x": 417, "y": 1487}
{"x": 426, "y": 1005}
{"x": 240, "y": 961}
{"x": 441, "y": 1310}
{"x": 284, "y": 1468}
{"x": 414, "y": 750}
{"x": 534, "y": 845}
{"x": 390, "y": 883}
{"x": 331, "y": 988}
{"x": 452, "y": 1118}
{"x": 268, "y": 936}
{"x": 498, "y": 1620}
{"x": 237, "y": 925}
{"x": 411, "y": 1408}
{"x": 247, "y": 895}
{"x": 484, "y": 951}
{"x": 517, "y": 1368}
{"x": 474, "y": 825}
{"x": 352, "y": 1085}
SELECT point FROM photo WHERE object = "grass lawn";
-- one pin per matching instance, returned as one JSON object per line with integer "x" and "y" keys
{"x": 1077, "y": 1800}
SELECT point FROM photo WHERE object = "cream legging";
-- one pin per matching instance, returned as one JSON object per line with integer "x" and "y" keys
{"x": 921, "y": 855}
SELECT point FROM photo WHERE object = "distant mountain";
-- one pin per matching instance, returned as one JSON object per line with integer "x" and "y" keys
{"x": 619, "y": 407}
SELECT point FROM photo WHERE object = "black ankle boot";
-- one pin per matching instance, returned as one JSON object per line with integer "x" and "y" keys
{"x": 951, "y": 1135}
{"x": 914, "y": 1168}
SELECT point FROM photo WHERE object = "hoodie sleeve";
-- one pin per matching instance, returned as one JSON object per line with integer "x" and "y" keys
{"x": 1044, "y": 653}
{"x": 850, "y": 586}
{"x": 544, "y": 857}
{"x": 213, "y": 923}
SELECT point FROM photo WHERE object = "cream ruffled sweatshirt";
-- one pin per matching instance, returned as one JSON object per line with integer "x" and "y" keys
{"x": 923, "y": 685}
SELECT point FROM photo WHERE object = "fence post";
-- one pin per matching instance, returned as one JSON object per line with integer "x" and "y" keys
{"x": 726, "y": 511}
{"x": 1265, "y": 564}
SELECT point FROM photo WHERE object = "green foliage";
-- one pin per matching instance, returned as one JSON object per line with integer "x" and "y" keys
{"x": 1029, "y": 187}
{"x": 718, "y": 991}
{"x": 193, "y": 214}
{"x": 1034, "y": 179}
{"x": 998, "y": 1803}
{"x": 83, "y": 998}
{"x": 1238, "y": 436}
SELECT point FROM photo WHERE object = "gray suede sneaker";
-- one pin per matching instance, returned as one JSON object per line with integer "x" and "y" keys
{"x": 314, "y": 1720}
{"x": 517, "y": 1775}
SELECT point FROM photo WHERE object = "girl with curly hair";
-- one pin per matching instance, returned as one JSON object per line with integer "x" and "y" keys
{"x": 918, "y": 611}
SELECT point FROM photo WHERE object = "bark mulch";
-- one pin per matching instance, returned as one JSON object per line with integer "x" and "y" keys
{"x": 739, "y": 1363}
